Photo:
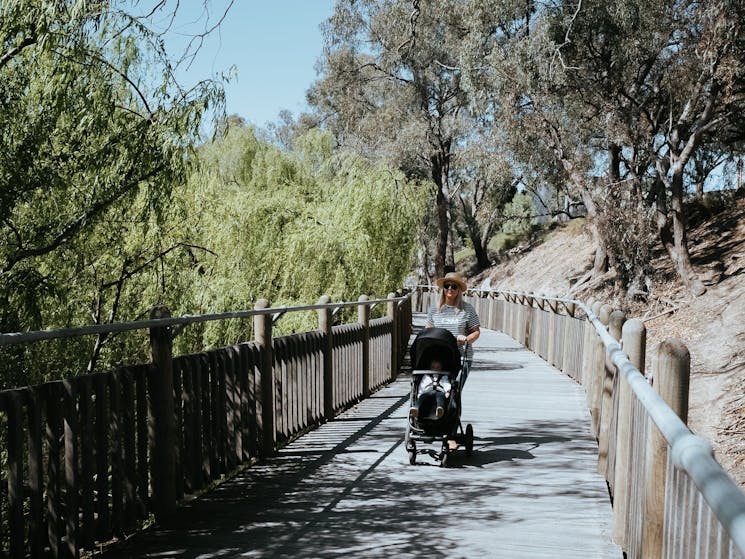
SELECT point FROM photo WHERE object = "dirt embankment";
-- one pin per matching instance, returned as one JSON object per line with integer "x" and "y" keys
{"x": 712, "y": 325}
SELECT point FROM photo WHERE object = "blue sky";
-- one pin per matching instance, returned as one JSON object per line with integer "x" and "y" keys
{"x": 273, "y": 44}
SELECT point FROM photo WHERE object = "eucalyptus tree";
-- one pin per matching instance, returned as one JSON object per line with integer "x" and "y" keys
{"x": 390, "y": 89}
{"x": 91, "y": 119}
{"x": 622, "y": 95}
{"x": 485, "y": 182}
{"x": 670, "y": 76}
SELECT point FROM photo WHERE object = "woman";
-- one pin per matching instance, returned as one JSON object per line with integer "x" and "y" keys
{"x": 454, "y": 314}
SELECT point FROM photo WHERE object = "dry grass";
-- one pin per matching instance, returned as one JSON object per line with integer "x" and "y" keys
{"x": 711, "y": 325}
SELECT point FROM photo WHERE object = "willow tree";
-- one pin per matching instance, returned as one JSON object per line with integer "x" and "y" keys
{"x": 91, "y": 118}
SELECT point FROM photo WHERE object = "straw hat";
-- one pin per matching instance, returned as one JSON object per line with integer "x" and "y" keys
{"x": 452, "y": 277}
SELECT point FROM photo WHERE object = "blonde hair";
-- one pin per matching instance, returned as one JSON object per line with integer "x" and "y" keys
{"x": 458, "y": 301}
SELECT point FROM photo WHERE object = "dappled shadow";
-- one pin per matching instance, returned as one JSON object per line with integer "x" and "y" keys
{"x": 495, "y": 366}
{"x": 347, "y": 489}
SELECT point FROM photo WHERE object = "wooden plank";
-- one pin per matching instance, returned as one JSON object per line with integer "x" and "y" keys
{"x": 117, "y": 454}
{"x": 143, "y": 474}
{"x": 87, "y": 462}
{"x": 71, "y": 461}
{"x": 102, "y": 426}
{"x": 13, "y": 406}
{"x": 52, "y": 401}
{"x": 129, "y": 447}
{"x": 36, "y": 530}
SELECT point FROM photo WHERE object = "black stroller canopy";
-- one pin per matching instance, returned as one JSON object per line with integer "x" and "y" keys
{"x": 435, "y": 342}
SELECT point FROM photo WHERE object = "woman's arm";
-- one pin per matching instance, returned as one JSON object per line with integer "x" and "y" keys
{"x": 473, "y": 335}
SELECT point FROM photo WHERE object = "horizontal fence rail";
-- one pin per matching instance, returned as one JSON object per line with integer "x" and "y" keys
{"x": 671, "y": 498}
{"x": 94, "y": 457}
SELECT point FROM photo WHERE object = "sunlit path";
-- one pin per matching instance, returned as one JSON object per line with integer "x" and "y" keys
{"x": 530, "y": 489}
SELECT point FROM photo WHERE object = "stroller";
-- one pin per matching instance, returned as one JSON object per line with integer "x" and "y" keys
{"x": 427, "y": 426}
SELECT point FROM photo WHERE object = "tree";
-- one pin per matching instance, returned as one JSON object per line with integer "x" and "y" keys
{"x": 391, "y": 90}
{"x": 91, "y": 118}
{"x": 633, "y": 87}
{"x": 484, "y": 183}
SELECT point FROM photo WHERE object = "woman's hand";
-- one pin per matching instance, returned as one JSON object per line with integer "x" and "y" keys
{"x": 461, "y": 339}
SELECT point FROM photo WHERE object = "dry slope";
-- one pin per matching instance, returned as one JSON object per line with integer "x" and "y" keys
{"x": 712, "y": 325}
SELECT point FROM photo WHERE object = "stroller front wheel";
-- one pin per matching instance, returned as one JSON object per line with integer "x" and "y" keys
{"x": 412, "y": 453}
{"x": 469, "y": 440}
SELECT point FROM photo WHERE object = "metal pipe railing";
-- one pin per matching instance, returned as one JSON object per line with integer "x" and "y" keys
{"x": 11, "y": 338}
{"x": 690, "y": 453}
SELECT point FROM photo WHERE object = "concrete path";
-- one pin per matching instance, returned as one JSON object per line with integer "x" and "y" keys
{"x": 529, "y": 490}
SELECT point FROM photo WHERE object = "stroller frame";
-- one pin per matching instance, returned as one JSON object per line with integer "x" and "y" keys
{"x": 446, "y": 431}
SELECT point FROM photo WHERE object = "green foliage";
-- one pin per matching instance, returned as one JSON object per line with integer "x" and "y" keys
{"x": 251, "y": 221}
{"x": 95, "y": 132}
{"x": 518, "y": 216}
{"x": 290, "y": 227}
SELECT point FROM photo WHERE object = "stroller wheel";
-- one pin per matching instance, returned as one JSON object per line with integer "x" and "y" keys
{"x": 411, "y": 449}
{"x": 444, "y": 453}
{"x": 469, "y": 440}
{"x": 444, "y": 459}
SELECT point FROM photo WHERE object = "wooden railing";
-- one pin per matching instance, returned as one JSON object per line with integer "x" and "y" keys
{"x": 93, "y": 457}
{"x": 671, "y": 498}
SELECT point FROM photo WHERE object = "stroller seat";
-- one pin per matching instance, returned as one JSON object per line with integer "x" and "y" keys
{"x": 436, "y": 346}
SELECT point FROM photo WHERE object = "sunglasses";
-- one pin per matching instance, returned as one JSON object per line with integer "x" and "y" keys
{"x": 450, "y": 286}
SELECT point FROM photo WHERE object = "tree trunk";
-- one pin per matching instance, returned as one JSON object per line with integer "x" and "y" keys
{"x": 600, "y": 264}
{"x": 442, "y": 201}
{"x": 671, "y": 227}
{"x": 474, "y": 233}
{"x": 441, "y": 243}
{"x": 681, "y": 255}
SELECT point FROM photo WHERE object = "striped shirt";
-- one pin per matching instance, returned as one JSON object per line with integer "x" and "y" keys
{"x": 463, "y": 322}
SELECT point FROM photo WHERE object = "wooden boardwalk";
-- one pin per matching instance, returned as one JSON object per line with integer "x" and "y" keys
{"x": 529, "y": 490}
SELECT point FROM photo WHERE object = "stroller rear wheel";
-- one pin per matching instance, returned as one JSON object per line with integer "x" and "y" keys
{"x": 411, "y": 450}
{"x": 444, "y": 453}
{"x": 469, "y": 440}
{"x": 444, "y": 459}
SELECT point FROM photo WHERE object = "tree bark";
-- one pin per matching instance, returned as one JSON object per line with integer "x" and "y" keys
{"x": 600, "y": 264}
{"x": 474, "y": 233}
{"x": 671, "y": 226}
{"x": 440, "y": 176}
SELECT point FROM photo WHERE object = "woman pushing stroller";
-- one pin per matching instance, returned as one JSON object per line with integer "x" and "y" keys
{"x": 439, "y": 372}
{"x": 454, "y": 314}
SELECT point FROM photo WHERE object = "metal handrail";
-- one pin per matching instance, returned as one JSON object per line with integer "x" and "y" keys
{"x": 691, "y": 453}
{"x": 22, "y": 337}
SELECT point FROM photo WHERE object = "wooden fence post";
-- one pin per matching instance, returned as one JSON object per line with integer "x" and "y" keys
{"x": 393, "y": 315}
{"x": 587, "y": 349}
{"x": 162, "y": 420}
{"x": 325, "y": 322}
{"x": 363, "y": 317}
{"x": 605, "y": 437}
{"x": 569, "y": 358}
{"x": 672, "y": 375}
{"x": 263, "y": 336}
{"x": 598, "y": 368}
{"x": 634, "y": 336}
{"x": 527, "y": 332}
